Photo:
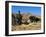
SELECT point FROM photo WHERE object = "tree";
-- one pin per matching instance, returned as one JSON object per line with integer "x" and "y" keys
{"x": 19, "y": 18}
{"x": 13, "y": 19}
{"x": 34, "y": 19}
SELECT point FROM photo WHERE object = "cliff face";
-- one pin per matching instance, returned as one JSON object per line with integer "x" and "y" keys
{"x": 25, "y": 16}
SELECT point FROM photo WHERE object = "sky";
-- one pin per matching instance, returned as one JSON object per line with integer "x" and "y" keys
{"x": 27, "y": 9}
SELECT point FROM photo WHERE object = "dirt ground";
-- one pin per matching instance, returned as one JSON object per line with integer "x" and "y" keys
{"x": 30, "y": 26}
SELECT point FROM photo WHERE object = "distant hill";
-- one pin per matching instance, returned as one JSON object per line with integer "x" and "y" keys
{"x": 26, "y": 16}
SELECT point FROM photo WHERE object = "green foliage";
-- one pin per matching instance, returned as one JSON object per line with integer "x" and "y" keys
{"x": 19, "y": 17}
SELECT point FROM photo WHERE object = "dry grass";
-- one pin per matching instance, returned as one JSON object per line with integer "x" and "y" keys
{"x": 30, "y": 26}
